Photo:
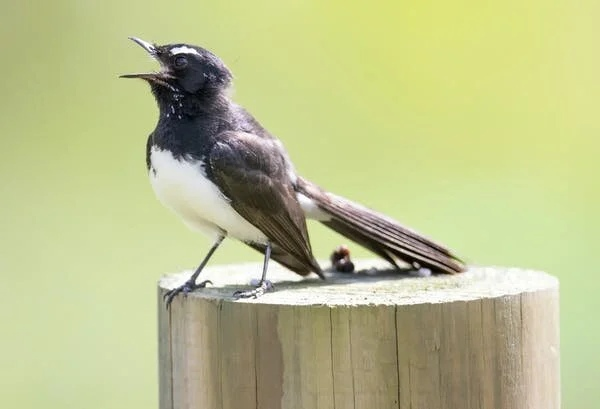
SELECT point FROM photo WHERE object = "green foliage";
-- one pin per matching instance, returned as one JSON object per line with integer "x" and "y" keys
{"x": 472, "y": 122}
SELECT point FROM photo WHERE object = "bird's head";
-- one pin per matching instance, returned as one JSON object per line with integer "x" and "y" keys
{"x": 184, "y": 69}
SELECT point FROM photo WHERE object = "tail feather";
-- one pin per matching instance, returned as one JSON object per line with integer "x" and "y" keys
{"x": 379, "y": 233}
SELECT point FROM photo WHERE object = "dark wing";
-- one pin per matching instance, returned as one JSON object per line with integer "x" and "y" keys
{"x": 251, "y": 171}
{"x": 286, "y": 259}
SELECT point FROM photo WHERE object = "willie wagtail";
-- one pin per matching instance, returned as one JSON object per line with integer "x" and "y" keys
{"x": 215, "y": 166}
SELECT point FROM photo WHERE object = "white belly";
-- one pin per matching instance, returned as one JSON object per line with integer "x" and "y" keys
{"x": 182, "y": 186}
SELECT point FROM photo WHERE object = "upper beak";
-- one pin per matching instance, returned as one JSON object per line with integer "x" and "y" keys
{"x": 151, "y": 49}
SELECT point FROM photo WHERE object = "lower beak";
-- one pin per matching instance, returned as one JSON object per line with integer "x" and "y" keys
{"x": 143, "y": 75}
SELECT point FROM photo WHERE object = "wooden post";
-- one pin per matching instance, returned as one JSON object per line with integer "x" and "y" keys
{"x": 487, "y": 338}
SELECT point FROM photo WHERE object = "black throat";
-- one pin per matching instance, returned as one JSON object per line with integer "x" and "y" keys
{"x": 188, "y": 123}
{"x": 176, "y": 104}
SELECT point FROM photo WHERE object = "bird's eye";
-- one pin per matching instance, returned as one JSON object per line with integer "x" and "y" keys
{"x": 180, "y": 61}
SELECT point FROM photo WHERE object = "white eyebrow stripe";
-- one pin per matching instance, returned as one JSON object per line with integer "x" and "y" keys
{"x": 183, "y": 50}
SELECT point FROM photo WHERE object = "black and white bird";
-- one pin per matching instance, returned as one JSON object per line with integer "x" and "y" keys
{"x": 225, "y": 175}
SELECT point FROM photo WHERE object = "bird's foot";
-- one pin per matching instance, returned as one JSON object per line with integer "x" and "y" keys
{"x": 263, "y": 287}
{"x": 185, "y": 288}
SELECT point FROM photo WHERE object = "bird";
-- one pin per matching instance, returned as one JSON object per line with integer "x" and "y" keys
{"x": 213, "y": 164}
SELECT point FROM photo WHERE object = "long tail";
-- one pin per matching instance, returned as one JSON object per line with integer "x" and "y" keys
{"x": 379, "y": 233}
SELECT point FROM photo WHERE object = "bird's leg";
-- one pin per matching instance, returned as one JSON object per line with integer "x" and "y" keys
{"x": 264, "y": 285}
{"x": 191, "y": 285}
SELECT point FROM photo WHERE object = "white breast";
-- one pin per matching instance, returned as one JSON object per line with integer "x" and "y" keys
{"x": 182, "y": 186}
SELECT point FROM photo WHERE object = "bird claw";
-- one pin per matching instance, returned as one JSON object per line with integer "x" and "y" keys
{"x": 185, "y": 288}
{"x": 262, "y": 288}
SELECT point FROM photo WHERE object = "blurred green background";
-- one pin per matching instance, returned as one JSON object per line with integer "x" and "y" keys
{"x": 473, "y": 122}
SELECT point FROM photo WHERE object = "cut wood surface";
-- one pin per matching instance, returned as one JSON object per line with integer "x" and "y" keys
{"x": 486, "y": 338}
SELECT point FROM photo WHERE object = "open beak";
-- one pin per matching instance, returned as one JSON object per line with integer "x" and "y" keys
{"x": 149, "y": 76}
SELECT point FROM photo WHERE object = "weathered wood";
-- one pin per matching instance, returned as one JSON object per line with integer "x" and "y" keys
{"x": 487, "y": 338}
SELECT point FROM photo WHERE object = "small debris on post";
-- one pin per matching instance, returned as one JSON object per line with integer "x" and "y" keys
{"x": 340, "y": 260}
